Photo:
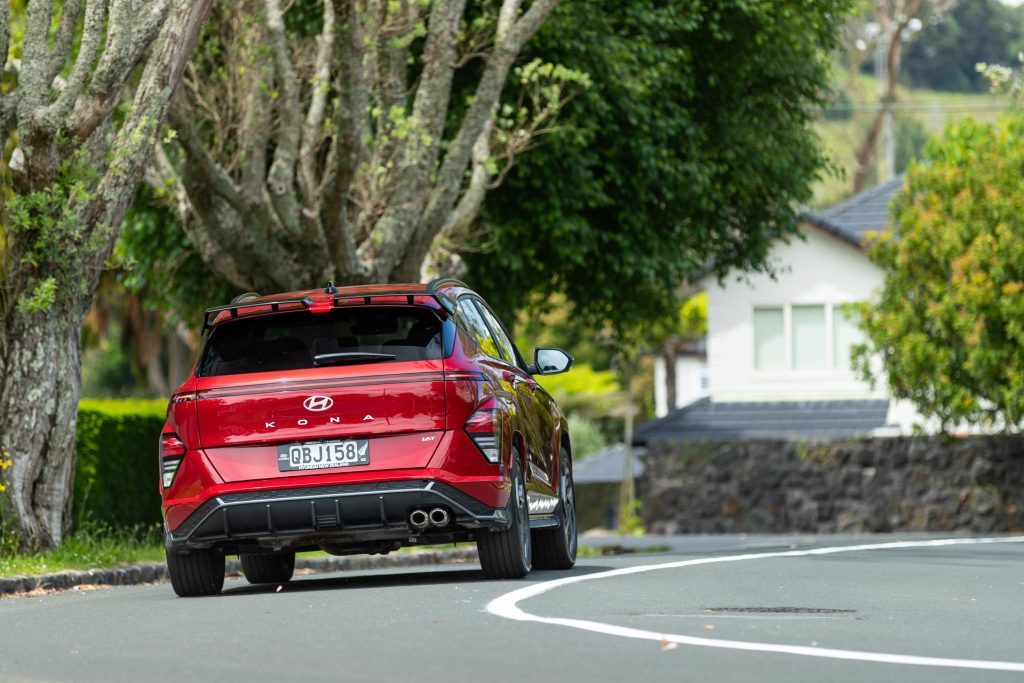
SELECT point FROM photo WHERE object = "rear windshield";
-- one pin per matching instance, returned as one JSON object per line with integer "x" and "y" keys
{"x": 343, "y": 336}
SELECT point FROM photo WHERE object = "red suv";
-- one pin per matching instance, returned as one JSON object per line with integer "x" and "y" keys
{"x": 359, "y": 420}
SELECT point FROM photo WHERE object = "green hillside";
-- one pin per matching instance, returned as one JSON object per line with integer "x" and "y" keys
{"x": 919, "y": 113}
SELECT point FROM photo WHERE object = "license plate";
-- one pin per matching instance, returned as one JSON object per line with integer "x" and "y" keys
{"x": 323, "y": 454}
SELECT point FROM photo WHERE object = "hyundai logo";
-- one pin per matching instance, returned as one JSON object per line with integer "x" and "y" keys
{"x": 318, "y": 403}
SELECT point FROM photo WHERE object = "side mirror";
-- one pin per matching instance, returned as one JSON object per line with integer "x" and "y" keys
{"x": 550, "y": 362}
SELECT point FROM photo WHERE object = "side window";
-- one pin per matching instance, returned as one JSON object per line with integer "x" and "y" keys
{"x": 477, "y": 327}
{"x": 507, "y": 349}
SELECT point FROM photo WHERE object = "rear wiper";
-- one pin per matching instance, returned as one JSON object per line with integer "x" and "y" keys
{"x": 350, "y": 357}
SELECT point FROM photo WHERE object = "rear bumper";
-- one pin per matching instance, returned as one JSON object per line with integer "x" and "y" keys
{"x": 339, "y": 513}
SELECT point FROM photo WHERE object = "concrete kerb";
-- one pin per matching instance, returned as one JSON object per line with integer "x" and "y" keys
{"x": 154, "y": 572}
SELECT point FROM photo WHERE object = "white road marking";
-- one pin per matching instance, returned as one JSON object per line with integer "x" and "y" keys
{"x": 507, "y": 606}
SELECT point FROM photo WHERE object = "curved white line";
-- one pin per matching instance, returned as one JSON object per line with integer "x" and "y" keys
{"x": 507, "y": 606}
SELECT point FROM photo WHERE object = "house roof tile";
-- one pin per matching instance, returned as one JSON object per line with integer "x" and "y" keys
{"x": 852, "y": 218}
{"x": 707, "y": 420}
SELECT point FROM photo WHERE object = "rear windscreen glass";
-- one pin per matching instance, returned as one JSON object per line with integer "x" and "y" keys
{"x": 343, "y": 336}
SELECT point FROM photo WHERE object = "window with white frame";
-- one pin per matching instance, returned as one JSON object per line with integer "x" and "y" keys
{"x": 804, "y": 337}
{"x": 769, "y": 338}
{"x": 845, "y": 335}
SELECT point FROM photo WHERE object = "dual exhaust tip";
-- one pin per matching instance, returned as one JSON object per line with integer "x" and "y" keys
{"x": 420, "y": 519}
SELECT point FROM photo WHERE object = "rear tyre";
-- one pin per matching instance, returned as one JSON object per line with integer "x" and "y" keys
{"x": 268, "y": 568}
{"x": 508, "y": 554}
{"x": 196, "y": 573}
{"x": 556, "y": 548}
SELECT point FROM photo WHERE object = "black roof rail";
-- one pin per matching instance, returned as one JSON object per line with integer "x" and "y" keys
{"x": 274, "y": 304}
{"x": 444, "y": 301}
{"x": 431, "y": 290}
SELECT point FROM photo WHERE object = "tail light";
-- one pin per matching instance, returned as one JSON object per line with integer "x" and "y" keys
{"x": 484, "y": 428}
{"x": 172, "y": 450}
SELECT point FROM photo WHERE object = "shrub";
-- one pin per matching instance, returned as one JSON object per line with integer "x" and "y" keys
{"x": 948, "y": 324}
{"x": 586, "y": 436}
{"x": 116, "y": 476}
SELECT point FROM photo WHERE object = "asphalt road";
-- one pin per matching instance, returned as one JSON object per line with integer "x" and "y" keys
{"x": 710, "y": 615}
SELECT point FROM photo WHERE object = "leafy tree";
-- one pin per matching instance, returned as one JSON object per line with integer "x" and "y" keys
{"x": 692, "y": 146}
{"x": 911, "y": 137}
{"x": 944, "y": 57}
{"x": 347, "y": 140}
{"x": 84, "y": 92}
{"x": 949, "y": 323}
{"x": 894, "y": 23}
{"x": 587, "y": 437}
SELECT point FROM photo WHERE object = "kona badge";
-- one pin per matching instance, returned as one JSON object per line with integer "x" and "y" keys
{"x": 318, "y": 404}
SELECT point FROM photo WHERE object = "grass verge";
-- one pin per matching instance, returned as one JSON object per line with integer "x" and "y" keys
{"x": 94, "y": 548}
{"x": 89, "y": 548}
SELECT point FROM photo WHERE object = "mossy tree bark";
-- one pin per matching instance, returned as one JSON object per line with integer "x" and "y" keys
{"x": 341, "y": 155}
{"x": 71, "y": 165}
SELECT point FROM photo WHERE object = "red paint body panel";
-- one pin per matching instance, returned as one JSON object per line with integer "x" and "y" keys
{"x": 368, "y": 400}
{"x": 411, "y": 412}
{"x": 402, "y": 451}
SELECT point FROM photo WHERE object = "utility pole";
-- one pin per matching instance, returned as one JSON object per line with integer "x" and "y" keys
{"x": 882, "y": 88}
{"x": 627, "y": 493}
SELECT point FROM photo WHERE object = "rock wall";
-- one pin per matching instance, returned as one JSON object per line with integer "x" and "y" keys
{"x": 855, "y": 485}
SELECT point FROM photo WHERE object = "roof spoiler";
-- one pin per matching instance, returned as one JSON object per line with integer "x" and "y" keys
{"x": 433, "y": 289}
{"x": 275, "y": 305}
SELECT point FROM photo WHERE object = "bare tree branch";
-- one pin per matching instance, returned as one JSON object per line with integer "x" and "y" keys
{"x": 395, "y": 60}
{"x": 32, "y": 83}
{"x": 485, "y": 98}
{"x": 6, "y": 100}
{"x": 116, "y": 52}
{"x": 469, "y": 205}
{"x": 65, "y": 37}
{"x": 219, "y": 181}
{"x": 92, "y": 35}
{"x": 374, "y": 203}
{"x": 471, "y": 202}
{"x": 431, "y": 101}
{"x": 254, "y": 132}
{"x": 391, "y": 233}
{"x": 136, "y": 138}
{"x": 5, "y": 32}
{"x": 282, "y": 171}
{"x": 507, "y": 17}
{"x": 106, "y": 84}
{"x": 894, "y": 21}
{"x": 312, "y": 128}
{"x": 346, "y": 152}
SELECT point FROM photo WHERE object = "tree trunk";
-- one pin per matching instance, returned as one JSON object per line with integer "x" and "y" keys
{"x": 38, "y": 412}
{"x": 81, "y": 167}
{"x": 359, "y": 193}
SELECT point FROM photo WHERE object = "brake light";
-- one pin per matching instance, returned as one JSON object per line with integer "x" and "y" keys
{"x": 172, "y": 450}
{"x": 484, "y": 428}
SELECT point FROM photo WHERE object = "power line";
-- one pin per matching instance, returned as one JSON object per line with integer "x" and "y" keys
{"x": 872, "y": 107}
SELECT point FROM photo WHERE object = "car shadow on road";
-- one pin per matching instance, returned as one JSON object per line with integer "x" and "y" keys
{"x": 470, "y": 573}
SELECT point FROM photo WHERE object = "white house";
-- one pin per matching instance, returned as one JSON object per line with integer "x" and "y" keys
{"x": 778, "y": 346}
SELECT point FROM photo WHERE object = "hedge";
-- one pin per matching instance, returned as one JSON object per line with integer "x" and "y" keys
{"x": 116, "y": 479}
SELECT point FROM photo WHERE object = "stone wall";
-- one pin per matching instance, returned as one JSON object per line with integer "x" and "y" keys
{"x": 855, "y": 485}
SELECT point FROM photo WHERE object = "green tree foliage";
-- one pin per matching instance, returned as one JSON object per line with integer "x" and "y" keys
{"x": 156, "y": 260}
{"x": 911, "y": 137}
{"x": 586, "y": 436}
{"x": 691, "y": 146}
{"x": 944, "y": 56}
{"x": 949, "y": 323}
